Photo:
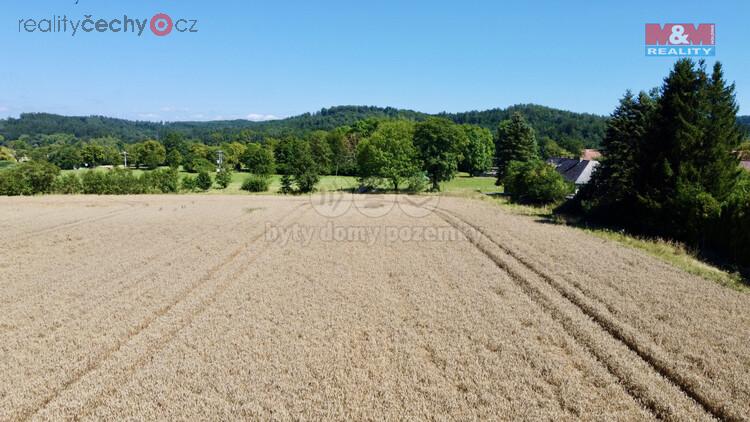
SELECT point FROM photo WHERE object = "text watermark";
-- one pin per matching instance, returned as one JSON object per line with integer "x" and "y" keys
{"x": 160, "y": 24}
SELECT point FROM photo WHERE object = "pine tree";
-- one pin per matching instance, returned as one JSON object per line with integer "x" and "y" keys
{"x": 723, "y": 137}
{"x": 613, "y": 188}
{"x": 515, "y": 142}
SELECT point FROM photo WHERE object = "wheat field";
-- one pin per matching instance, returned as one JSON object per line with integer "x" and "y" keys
{"x": 350, "y": 307}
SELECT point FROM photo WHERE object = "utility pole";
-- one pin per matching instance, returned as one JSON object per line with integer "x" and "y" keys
{"x": 219, "y": 160}
{"x": 125, "y": 157}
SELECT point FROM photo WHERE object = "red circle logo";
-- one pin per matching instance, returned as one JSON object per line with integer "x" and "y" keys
{"x": 161, "y": 24}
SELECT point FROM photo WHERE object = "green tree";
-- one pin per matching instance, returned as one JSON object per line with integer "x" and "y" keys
{"x": 321, "y": 151}
{"x": 153, "y": 154}
{"x": 174, "y": 158}
{"x": 439, "y": 143}
{"x": 723, "y": 136}
{"x": 304, "y": 168}
{"x": 134, "y": 154}
{"x": 670, "y": 159}
{"x": 66, "y": 157}
{"x": 478, "y": 151}
{"x": 233, "y": 153}
{"x": 535, "y": 182}
{"x": 224, "y": 178}
{"x": 551, "y": 149}
{"x": 93, "y": 154}
{"x": 343, "y": 151}
{"x": 287, "y": 184}
{"x": 389, "y": 153}
{"x": 203, "y": 181}
{"x": 259, "y": 159}
{"x": 515, "y": 142}
{"x": 613, "y": 191}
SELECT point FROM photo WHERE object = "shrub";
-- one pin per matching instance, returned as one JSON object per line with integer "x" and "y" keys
{"x": 161, "y": 180}
{"x": 306, "y": 181}
{"x": 203, "y": 181}
{"x": 94, "y": 182}
{"x": 189, "y": 183}
{"x": 124, "y": 182}
{"x": 39, "y": 175}
{"x": 259, "y": 159}
{"x": 13, "y": 185}
{"x": 199, "y": 164}
{"x": 256, "y": 183}
{"x": 67, "y": 183}
{"x": 286, "y": 184}
{"x": 417, "y": 183}
{"x": 28, "y": 178}
{"x": 112, "y": 182}
{"x": 535, "y": 182}
{"x": 224, "y": 178}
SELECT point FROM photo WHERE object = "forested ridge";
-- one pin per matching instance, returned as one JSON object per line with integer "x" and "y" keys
{"x": 548, "y": 122}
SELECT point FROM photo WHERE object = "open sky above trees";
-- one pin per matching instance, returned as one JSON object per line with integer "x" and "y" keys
{"x": 259, "y": 60}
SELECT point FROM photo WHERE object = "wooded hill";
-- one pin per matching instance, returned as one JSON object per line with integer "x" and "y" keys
{"x": 557, "y": 124}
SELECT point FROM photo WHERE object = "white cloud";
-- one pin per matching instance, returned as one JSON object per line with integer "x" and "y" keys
{"x": 261, "y": 117}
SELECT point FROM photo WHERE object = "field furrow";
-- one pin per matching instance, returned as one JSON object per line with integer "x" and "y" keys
{"x": 372, "y": 307}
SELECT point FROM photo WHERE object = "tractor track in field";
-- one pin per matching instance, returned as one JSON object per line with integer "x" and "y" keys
{"x": 145, "y": 324}
{"x": 511, "y": 262}
{"x": 124, "y": 283}
{"x": 47, "y": 230}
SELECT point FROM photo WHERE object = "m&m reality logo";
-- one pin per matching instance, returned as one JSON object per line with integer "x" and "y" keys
{"x": 680, "y": 39}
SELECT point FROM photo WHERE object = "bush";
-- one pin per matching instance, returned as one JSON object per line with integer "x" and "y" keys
{"x": 535, "y": 182}
{"x": 199, "y": 164}
{"x": 67, "y": 183}
{"x": 224, "y": 178}
{"x": 29, "y": 178}
{"x": 306, "y": 181}
{"x": 189, "y": 183}
{"x": 13, "y": 185}
{"x": 286, "y": 184}
{"x": 203, "y": 181}
{"x": 256, "y": 183}
{"x": 94, "y": 182}
{"x": 161, "y": 180}
{"x": 417, "y": 183}
{"x": 124, "y": 182}
{"x": 112, "y": 182}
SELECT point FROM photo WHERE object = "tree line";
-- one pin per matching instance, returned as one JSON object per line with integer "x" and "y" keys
{"x": 671, "y": 166}
{"x": 565, "y": 127}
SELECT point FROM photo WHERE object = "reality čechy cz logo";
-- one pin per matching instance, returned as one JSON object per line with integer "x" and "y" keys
{"x": 680, "y": 39}
{"x": 161, "y": 24}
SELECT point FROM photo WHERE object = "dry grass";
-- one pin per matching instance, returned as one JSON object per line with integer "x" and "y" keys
{"x": 178, "y": 307}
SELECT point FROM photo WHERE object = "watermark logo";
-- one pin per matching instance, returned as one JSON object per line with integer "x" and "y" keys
{"x": 680, "y": 39}
{"x": 161, "y": 24}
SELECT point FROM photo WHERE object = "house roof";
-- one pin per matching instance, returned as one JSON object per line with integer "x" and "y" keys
{"x": 591, "y": 154}
{"x": 573, "y": 170}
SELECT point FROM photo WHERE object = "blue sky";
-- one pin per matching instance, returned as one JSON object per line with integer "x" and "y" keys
{"x": 261, "y": 59}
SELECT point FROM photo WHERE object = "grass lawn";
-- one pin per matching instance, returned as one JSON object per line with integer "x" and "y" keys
{"x": 463, "y": 183}
{"x": 327, "y": 183}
